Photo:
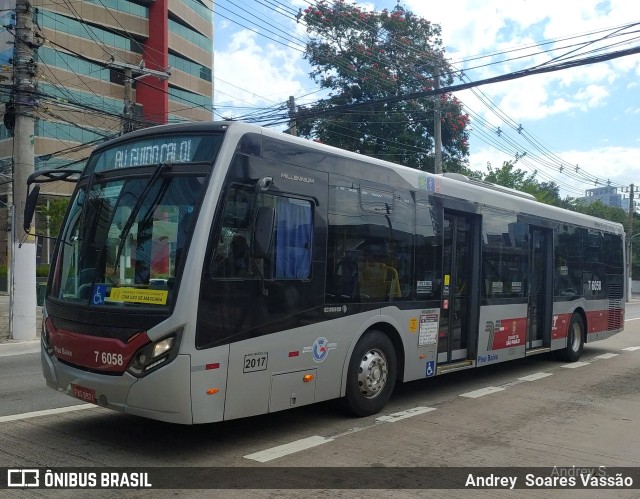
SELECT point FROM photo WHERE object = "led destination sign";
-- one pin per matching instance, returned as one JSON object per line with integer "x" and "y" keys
{"x": 156, "y": 150}
{"x": 173, "y": 151}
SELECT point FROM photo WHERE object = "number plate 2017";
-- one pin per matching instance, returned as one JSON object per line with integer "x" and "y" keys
{"x": 255, "y": 362}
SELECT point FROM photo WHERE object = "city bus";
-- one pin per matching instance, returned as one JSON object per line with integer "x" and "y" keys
{"x": 212, "y": 271}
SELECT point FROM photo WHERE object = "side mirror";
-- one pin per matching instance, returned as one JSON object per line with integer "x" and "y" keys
{"x": 263, "y": 231}
{"x": 30, "y": 207}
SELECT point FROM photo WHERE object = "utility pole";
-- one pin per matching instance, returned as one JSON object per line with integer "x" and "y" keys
{"x": 127, "y": 112}
{"x": 437, "y": 130}
{"x": 630, "y": 245}
{"x": 22, "y": 288}
{"x": 128, "y": 122}
{"x": 293, "y": 129}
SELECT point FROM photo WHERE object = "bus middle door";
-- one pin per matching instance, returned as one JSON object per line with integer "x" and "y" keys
{"x": 455, "y": 309}
{"x": 540, "y": 288}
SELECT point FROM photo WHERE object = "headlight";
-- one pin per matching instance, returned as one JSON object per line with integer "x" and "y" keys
{"x": 163, "y": 346}
{"x": 156, "y": 354}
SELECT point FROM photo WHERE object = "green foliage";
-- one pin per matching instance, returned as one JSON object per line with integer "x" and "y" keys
{"x": 363, "y": 56}
{"x": 514, "y": 178}
{"x": 600, "y": 210}
{"x": 42, "y": 270}
{"x": 54, "y": 213}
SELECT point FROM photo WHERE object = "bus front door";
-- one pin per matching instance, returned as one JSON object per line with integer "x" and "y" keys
{"x": 455, "y": 308}
{"x": 540, "y": 288}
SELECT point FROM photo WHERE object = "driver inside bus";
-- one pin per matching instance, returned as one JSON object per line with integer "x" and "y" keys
{"x": 237, "y": 262}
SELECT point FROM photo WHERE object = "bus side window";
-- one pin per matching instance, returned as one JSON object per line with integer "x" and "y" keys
{"x": 231, "y": 258}
{"x": 293, "y": 240}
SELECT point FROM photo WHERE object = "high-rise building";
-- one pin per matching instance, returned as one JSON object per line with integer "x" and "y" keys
{"x": 609, "y": 196}
{"x": 104, "y": 67}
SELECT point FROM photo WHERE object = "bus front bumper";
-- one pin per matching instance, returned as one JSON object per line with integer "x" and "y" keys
{"x": 160, "y": 395}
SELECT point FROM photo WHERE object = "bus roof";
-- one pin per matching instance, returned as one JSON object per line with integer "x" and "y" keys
{"x": 447, "y": 184}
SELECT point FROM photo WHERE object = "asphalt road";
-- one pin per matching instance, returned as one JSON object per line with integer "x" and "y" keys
{"x": 534, "y": 412}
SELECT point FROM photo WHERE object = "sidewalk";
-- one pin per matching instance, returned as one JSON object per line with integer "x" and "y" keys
{"x": 7, "y": 344}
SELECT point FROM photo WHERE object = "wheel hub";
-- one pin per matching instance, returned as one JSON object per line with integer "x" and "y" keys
{"x": 372, "y": 373}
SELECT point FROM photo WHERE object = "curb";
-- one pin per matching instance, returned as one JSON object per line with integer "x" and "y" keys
{"x": 19, "y": 347}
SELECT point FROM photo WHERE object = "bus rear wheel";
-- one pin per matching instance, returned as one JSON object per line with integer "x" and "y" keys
{"x": 371, "y": 375}
{"x": 575, "y": 340}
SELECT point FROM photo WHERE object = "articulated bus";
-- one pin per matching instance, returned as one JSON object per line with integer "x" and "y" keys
{"x": 211, "y": 271}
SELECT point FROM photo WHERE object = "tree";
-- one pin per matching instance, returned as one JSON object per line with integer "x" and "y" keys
{"x": 54, "y": 212}
{"x": 600, "y": 210}
{"x": 362, "y": 56}
{"x": 514, "y": 178}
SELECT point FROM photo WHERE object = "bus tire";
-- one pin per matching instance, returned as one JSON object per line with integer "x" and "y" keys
{"x": 575, "y": 340}
{"x": 371, "y": 375}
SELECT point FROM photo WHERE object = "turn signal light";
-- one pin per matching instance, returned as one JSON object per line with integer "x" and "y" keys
{"x": 212, "y": 391}
{"x": 307, "y": 378}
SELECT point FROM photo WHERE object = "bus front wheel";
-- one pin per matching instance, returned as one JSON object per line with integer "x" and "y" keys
{"x": 575, "y": 340}
{"x": 372, "y": 374}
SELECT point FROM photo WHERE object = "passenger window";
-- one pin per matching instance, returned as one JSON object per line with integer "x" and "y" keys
{"x": 290, "y": 254}
{"x": 504, "y": 255}
{"x": 293, "y": 239}
{"x": 569, "y": 256}
{"x": 370, "y": 243}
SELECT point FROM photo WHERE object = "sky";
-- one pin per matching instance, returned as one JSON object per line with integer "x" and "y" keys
{"x": 577, "y": 127}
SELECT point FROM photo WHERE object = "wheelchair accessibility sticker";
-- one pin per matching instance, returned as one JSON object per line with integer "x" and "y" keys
{"x": 99, "y": 292}
{"x": 431, "y": 368}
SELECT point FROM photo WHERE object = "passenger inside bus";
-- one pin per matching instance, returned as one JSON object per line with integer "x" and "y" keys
{"x": 377, "y": 280}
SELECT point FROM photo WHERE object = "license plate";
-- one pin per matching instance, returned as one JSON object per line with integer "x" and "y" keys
{"x": 82, "y": 393}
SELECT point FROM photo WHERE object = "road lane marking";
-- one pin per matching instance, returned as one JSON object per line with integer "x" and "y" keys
{"x": 314, "y": 441}
{"x": 286, "y": 449}
{"x": 482, "y": 392}
{"x": 606, "y": 356}
{"x": 573, "y": 365}
{"x": 397, "y": 416}
{"x": 535, "y": 376}
{"x": 46, "y": 412}
{"x": 351, "y": 431}
{"x": 310, "y": 442}
{"x": 631, "y": 349}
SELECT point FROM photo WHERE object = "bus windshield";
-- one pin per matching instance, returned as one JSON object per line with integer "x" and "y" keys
{"x": 125, "y": 235}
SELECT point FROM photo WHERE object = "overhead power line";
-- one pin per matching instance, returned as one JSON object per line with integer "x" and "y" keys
{"x": 495, "y": 79}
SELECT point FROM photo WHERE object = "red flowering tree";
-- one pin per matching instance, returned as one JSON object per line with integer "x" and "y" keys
{"x": 362, "y": 56}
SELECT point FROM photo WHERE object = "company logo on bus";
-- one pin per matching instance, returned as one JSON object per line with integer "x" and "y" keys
{"x": 505, "y": 333}
{"x": 328, "y": 310}
{"x": 320, "y": 349}
{"x": 297, "y": 178}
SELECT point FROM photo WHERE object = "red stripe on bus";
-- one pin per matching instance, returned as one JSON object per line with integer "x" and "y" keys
{"x": 560, "y": 326}
{"x": 598, "y": 321}
{"x": 511, "y": 333}
{"x": 94, "y": 352}
{"x": 605, "y": 320}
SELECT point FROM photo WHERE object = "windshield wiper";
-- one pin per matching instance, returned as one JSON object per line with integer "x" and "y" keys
{"x": 134, "y": 212}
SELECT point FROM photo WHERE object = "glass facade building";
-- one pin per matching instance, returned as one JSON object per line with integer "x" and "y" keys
{"x": 80, "y": 77}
